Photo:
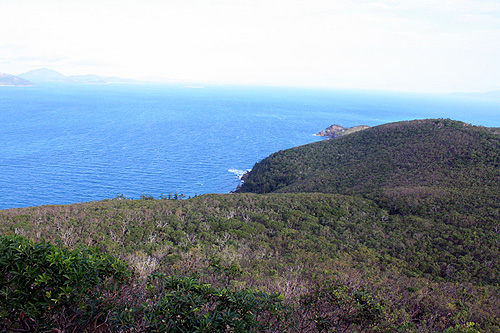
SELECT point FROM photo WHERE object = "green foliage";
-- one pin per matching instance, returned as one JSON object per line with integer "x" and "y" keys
{"x": 230, "y": 271}
{"x": 186, "y": 305}
{"x": 439, "y": 181}
{"x": 333, "y": 306}
{"x": 40, "y": 283}
{"x": 436, "y": 153}
{"x": 467, "y": 328}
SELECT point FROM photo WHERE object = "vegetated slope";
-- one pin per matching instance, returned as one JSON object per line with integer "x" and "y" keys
{"x": 430, "y": 153}
{"x": 407, "y": 164}
{"x": 443, "y": 175}
{"x": 276, "y": 223}
{"x": 291, "y": 243}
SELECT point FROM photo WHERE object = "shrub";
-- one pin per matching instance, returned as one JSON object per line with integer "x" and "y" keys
{"x": 333, "y": 305}
{"x": 45, "y": 286}
{"x": 186, "y": 305}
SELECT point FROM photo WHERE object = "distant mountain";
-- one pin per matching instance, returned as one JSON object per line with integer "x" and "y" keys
{"x": 49, "y": 75}
{"x": 115, "y": 79}
{"x": 44, "y": 75}
{"x": 89, "y": 78}
{"x": 11, "y": 80}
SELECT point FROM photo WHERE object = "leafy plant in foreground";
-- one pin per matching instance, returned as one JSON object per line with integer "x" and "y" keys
{"x": 186, "y": 305}
{"x": 45, "y": 286}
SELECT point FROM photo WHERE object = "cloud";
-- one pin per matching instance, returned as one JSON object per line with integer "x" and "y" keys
{"x": 40, "y": 59}
{"x": 10, "y": 47}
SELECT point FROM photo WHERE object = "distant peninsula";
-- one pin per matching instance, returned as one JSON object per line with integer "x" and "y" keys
{"x": 13, "y": 81}
{"x": 46, "y": 75}
{"x": 334, "y": 131}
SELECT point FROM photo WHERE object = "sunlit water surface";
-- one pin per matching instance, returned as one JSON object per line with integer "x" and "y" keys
{"x": 62, "y": 144}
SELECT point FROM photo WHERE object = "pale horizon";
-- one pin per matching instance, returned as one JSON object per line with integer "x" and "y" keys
{"x": 414, "y": 46}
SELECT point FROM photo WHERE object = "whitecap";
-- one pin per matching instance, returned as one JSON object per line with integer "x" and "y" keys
{"x": 239, "y": 173}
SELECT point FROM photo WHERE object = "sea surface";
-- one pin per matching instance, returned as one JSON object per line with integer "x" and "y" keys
{"x": 61, "y": 144}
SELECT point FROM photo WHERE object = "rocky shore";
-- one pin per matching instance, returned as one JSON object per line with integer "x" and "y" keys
{"x": 334, "y": 131}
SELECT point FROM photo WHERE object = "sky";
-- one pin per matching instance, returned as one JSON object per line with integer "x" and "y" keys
{"x": 400, "y": 45}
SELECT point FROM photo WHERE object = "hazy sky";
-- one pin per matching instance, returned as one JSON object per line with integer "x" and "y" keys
{"x": 412, "y": 45}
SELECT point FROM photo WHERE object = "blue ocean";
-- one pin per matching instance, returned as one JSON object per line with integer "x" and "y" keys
{"x": 61, "y": 144}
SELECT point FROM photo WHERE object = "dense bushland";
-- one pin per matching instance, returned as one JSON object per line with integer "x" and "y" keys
{"x": 438, "y": 180}
{"x": 421, "y": 153}
{"x": 45, "y": 287}
{"x": 296, "y": 245}
{"x": 293, "y": 227}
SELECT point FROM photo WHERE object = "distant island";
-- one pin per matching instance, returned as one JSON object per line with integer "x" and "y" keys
{"x": 8, "y": 80}
{"x": 46, "y": 75}
{"x": 334, "y": 131}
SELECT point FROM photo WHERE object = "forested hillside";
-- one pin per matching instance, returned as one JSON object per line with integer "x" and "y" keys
{"x": 442, "y": 175}
{"x": 440, "y": 153}
{"x": 404, "y": 237}
{"x": 301, "y": 246}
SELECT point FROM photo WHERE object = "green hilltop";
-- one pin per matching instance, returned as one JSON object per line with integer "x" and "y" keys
{"x": 439, "y": 178}
{"x": 394, "y": 228}
{"x": 435, "y": 154}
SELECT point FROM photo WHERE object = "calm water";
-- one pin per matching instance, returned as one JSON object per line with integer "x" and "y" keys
{"x": 63, "y": 144}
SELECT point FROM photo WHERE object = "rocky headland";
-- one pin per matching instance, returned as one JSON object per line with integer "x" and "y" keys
{"x": 334, "y": 131}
